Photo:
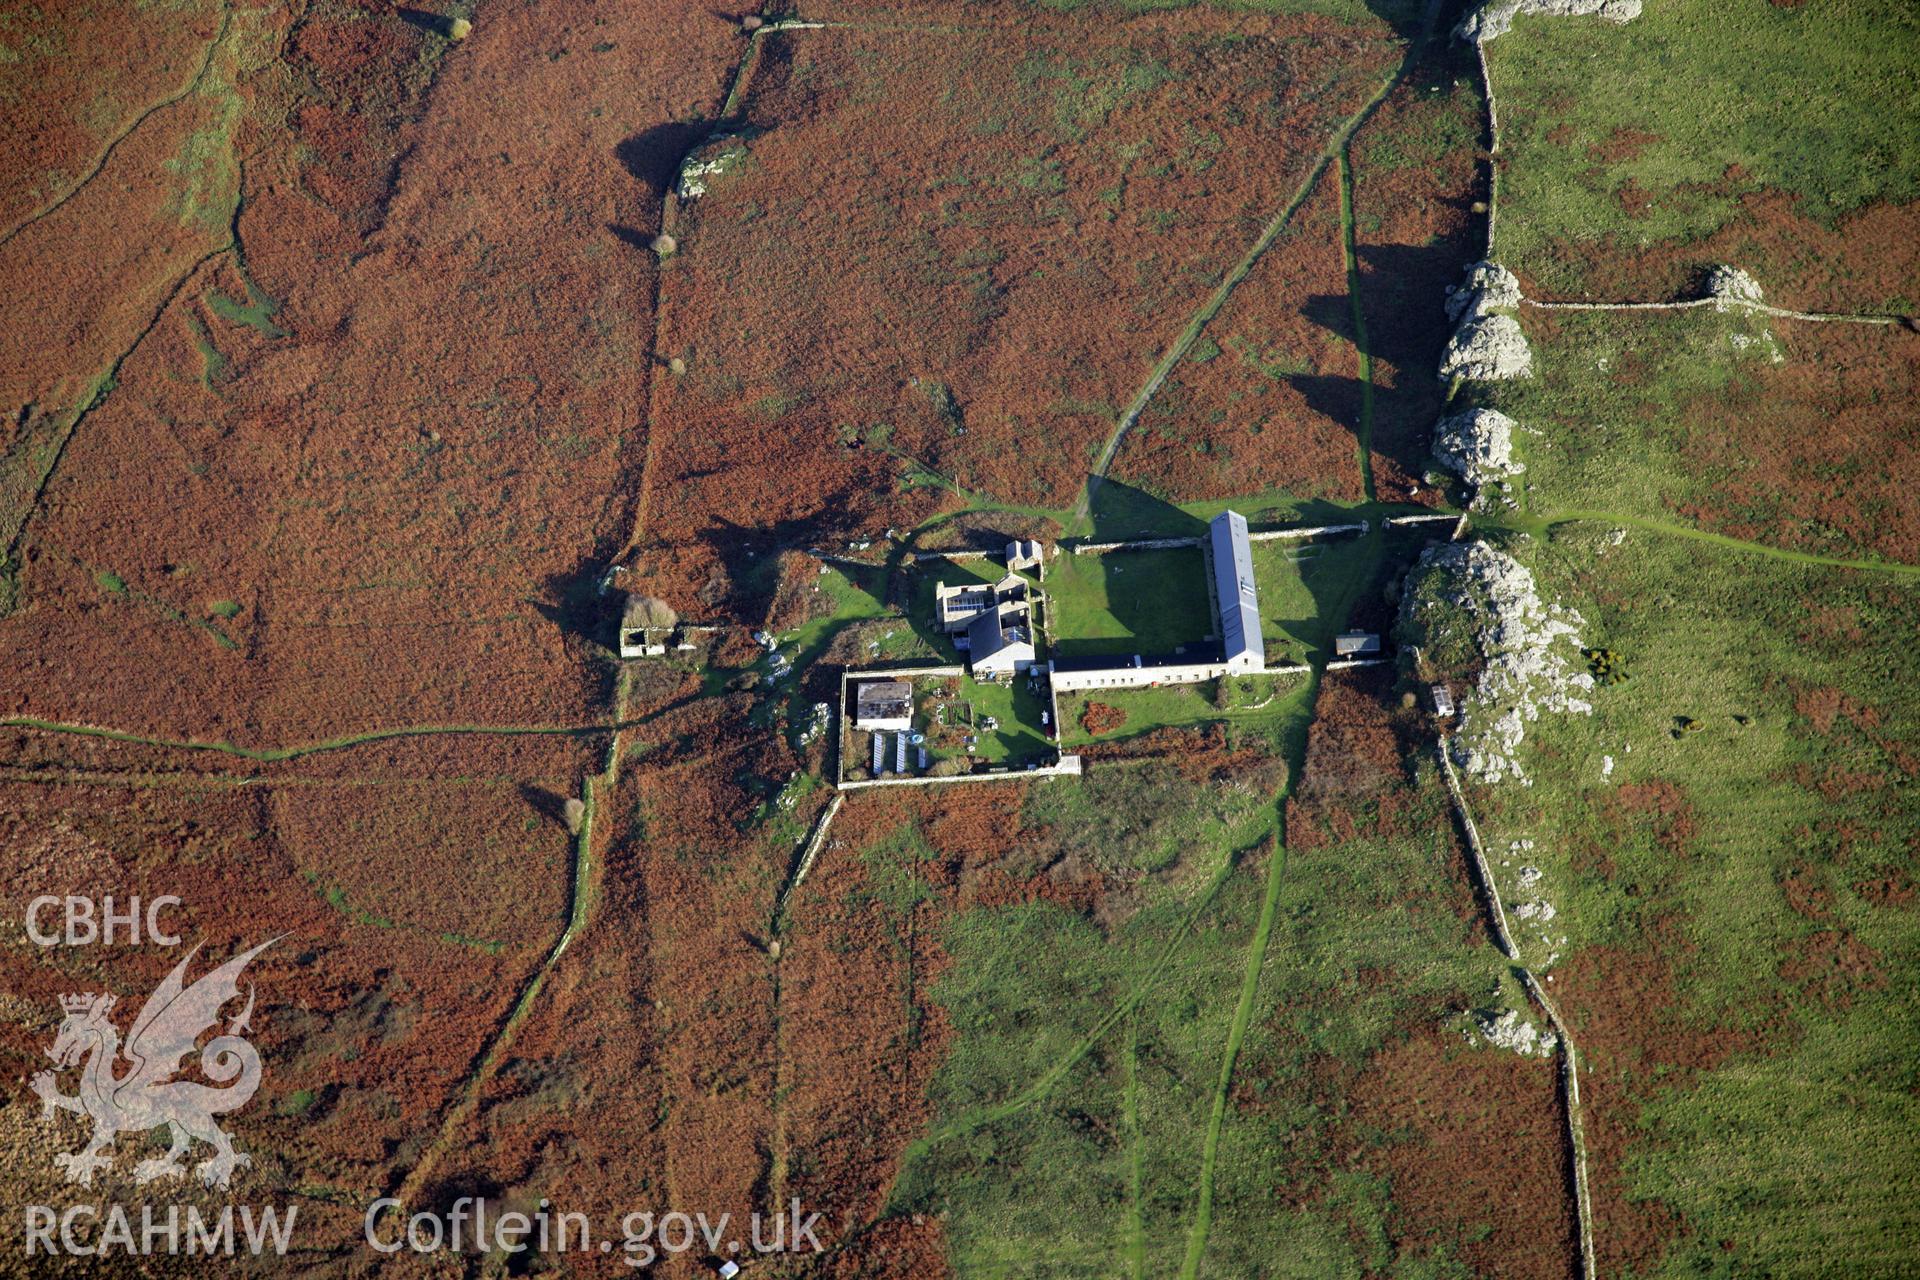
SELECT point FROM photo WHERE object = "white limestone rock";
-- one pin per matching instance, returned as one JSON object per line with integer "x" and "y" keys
{"x": 1513, "y": 1032}
{"x": 1487, "y": 349}
{"x": 709, "y": 162}
{"x": 1487, "y": 344}
{"x": 1730, "y": 286}
{"x": 1528, "y": 650}
{"x": 1477, "y": 446}
{"x": 1495, "y": 18}
{"x": 1762, "y": 343}
{"x": 1487, "y": 287}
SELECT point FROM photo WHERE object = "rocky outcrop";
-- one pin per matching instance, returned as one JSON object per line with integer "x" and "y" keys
{"x": 1487, "y": 349}
{"x": 1526, "y": 650}
{"x": 1487, "y": 344}
{"x": 1486, "y": 287}
{"x": 1495, "y": 18}
{"x": 1477, "y": 446}
{"x": 1512, "y": 1031}
{"x": 1535, "y": 910}
{"x": 709, "y": 162}
{"x": 1730, "y": 286}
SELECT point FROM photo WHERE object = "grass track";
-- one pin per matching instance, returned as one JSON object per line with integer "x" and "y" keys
{"x": 582, "y": 891}
{"x": 1136, "y": 1222}
{"x": 277, "y": 755}
{"x": 1375, "y": 549}
{"x": 186, "y": 91}
{"x": 1042, "y": 1085}
{"x": 1236, "y": 1035}
{"x": 1541, "y": 523}
{"x": 1349, "y": 250}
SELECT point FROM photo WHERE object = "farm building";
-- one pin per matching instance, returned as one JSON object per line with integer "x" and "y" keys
{"x": 1238, "y": 602}
{"x": 1356, "y": 644}
{"x": 646, "y": 626}
{"x": 1024, "y": 553}
{"x": 1000, "y": 643}
{"x": 883, "y": 704}
{"x": 958, "y": 607}
{"x": 1070, "y": 675}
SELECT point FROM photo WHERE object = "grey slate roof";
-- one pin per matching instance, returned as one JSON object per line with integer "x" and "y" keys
{"x": 985, "y": 635}
{"x": 1233, "y": 587}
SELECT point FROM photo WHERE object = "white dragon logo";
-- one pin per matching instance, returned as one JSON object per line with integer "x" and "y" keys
{"x": 146, "y": 1096}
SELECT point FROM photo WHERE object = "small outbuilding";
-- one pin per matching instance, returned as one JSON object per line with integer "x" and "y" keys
{"x": 880, "y": 705}
{"x": 1356, "y": 644}
{"x": 646, "y": 627}
{"x": 1442, "y": 699}
{"x": 1024, "y": 553}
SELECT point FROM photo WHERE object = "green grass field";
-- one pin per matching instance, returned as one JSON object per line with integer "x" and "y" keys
{"x": 1072, "y": 1110}
{"x": 1129, "y": 602}
{"x": 1756, "y": 861}
{"x": 1018, "y": 739}
{"x": 1792, "y": 435}
{"x": 1263, "y": 706}
{"x": 1303, "y": 591}
{"x": 1696, "y": 103}
{"x": 1601, "y": 408}
{"x": 856, "y": 595}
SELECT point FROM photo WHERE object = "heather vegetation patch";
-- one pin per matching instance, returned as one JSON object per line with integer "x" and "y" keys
{"x": 394, "y": 949}
{"x": 1266, "y": 397}
{"x": 1148, "y": 815}
{"x": 1376, "y": 17}
{"x": 73, "y": 80}
{"x": 968, "y": 317}
{"x": 1401, "y": 13}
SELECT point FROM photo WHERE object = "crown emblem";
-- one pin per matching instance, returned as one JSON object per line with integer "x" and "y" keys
{"x": 86, "y": 1002}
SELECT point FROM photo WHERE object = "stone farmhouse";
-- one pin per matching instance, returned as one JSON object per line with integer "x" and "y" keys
{"x": 992, "y": 624}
